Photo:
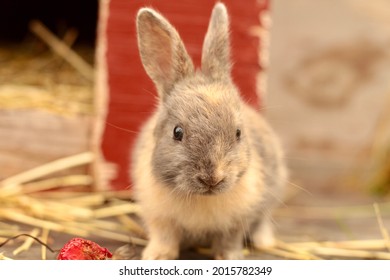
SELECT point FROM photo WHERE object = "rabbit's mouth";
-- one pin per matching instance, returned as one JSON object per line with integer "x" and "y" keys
{"x": 214, "y": 187}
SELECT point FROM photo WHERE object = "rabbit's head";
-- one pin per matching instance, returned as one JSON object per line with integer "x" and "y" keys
{"x": 200, "y": 136}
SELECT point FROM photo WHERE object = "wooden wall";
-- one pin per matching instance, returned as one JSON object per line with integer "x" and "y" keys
{"x": 329, "y": 89}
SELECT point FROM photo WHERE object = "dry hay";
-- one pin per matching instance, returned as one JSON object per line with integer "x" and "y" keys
{"x": 33, "y": 77}
{"x": 27, "y": 199}
{"x": 30, "y": 81}
{"x": 50, "y": 76}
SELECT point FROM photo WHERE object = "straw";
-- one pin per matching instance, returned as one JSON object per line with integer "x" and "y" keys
{"x": 46, "y": 169}
{"x": 384, "y": 232}
{"x": 62, "y": 49}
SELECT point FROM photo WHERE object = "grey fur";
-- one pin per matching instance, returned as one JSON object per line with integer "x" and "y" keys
{"x": 216, "y": 47}
{"x": 158, "y": 41}
{"x": 209, "y": 168}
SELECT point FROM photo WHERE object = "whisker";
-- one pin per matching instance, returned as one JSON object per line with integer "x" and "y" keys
{"x": 280, "y": 200}
{"x": 296, "y": 158}
{"x": 154, "y": 94}
{"x": 300, "y": 187}
{"x": 266, "y": 108}
{"x": 121, "y": 128}
{"x": 272, "y": 220}
{"x": 128, "y": 187}
{"x": 246, "y": 231}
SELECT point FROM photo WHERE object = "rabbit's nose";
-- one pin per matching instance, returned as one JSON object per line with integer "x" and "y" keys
{"x": 210, "y": 181}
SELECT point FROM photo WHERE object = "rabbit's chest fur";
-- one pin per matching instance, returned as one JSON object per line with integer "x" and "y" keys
{"x": 220, "y": 212}
{"x": 203, "y": 214}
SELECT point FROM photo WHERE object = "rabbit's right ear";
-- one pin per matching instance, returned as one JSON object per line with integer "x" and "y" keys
{"x": 162, "y": 51}
{"x": 216, "y": 46}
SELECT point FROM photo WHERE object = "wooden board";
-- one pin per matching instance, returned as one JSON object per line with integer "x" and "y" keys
{"x": 30, "y": 138}
{"x": 329, "y": 89}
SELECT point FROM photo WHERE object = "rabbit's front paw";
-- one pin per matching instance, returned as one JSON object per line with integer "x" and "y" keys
{"x": 264, "y": 237}
{"x": 229, "y": 255}
{"x": 158, "y": 252}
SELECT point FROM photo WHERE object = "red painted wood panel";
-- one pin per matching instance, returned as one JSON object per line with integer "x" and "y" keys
{"x": 132, "y": 94}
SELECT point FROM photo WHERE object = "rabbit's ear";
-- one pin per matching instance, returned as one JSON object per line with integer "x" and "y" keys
{"x": 216, "y": 47}
{"x": 162, "y": 51}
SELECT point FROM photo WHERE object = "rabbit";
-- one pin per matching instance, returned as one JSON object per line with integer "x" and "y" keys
{"x": 206, "y": 167}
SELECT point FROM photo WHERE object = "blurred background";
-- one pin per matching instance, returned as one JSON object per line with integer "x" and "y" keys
{"x": 326, "y": 90}
{"x": 329, "y": 92}
{"x": 45, "y": 103}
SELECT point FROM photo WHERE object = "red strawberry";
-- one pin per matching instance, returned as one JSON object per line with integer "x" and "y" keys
{"x": 83, "y": 249}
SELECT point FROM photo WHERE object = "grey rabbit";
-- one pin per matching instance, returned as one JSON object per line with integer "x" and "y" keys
{"x": 206, "y": 167}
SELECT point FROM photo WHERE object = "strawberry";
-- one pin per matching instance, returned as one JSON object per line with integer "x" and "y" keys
{"x": 83, "y": 249}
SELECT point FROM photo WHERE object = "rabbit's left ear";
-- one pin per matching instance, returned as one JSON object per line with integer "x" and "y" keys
{"x": 216, "y": 47}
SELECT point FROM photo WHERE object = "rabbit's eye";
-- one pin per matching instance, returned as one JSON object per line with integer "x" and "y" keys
{"x": 178, "y": 133}
{"x": 238, "y": 134}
